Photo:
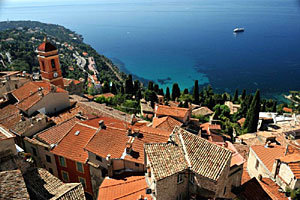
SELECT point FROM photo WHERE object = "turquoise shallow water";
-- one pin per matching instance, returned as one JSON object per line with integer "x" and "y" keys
{"x": 180, "y": 41}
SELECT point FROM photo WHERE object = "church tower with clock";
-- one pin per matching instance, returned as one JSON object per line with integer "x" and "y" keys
{"x": 49, "y": 63}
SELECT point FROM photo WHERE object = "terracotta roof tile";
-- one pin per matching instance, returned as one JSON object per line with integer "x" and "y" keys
{"x": 72, "y": 146}
{"x": 285, "y": 109}
{"x": 129, "y": 188}
{"x": 54, "y": 134}
{"x": 165, "y": 123}
{"x": 253, "y": 190}
{"x": 171, "y": 111}
{"x": 272, "y": 189}
{"x": 9, "y": 116}
{"x": 46, "y": 47}
{"x": 293, "y": 161}
{"x": 268, "y": 155}
{"x": 202, "y": 111}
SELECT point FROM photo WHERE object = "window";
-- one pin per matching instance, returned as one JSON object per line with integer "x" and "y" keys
{"x": 180, "y": 178}
{"x": 179, "y": 197}
{"x": 48, "y": 158}
{"x": 224, "y": 191}
{"x": 98, "y": 158}
{"x": 192, "y": 178}
{"x": 256, "y": 164}
{"x": 62, "y": 161}
{"x": 46, "y": 149}
{"x": 79, "y": 167}
{"x": 34, "y": 151}
{"x": 65, "y": 176}
{"x": 137, "y": 164}
{"x": 51, "y": 170}
{"x": 53, "y": 63}
{"x": 82, "y": 180}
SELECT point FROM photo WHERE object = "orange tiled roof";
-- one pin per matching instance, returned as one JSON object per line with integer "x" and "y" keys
{"x": 72, "y": 146}
{"x": 271, "y": 188}
{"x": 171, "y": 111}
{"x": 253, "y": 190}
{"x": 151, "y": 130}
{"x": 165, "y": 123}
{"x": 129, "y": 188}
{"x": 54, "y": 134}
{"x": 147, "y": 136}
{"x": 46, "y": 47}
{"x": 108, "y": 122}
{"x": 293, "y": 161}
{"x": 285, "y": 109}
{"x": 30, "y": 101}
{"x": 268, "y": 155}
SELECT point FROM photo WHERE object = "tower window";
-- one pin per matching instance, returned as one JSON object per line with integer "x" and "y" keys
{"x": 53, "y": 64}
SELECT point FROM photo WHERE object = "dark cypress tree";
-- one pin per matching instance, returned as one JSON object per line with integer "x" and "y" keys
{"x": 122, "y": 90}
{"x": 243, "y": 96}
{"x": 253, "y": 114}
{"x": 150, "y": 85}
{"x": 175, "y": 91}
{"x": 168, "y": 96}
{"x": 161, "y": 92}
{"x": 138, "y": 95}
{"x": 113, "y": 88}
{"x": 156, "y": 88}
{"x": 136, "y": 86}
{"x": 105, "y": 88}
{"x": 196, "y": 93}
{"x": 129, "y": 85}
{"x": 185, "y": 91}
{"x": 235, "y": 96}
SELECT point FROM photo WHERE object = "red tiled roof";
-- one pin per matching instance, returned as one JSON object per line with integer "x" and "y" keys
{"x": 30, "y": 101}
{"x": 46, "y": 47}
{"x": 165, "y": 123}
{"x": 271, "y": 188}
{"x": 54, "y": 134}
{"x": 106, "y": 95}
{"x": 171, "y": 111}
{"x": 129, "y": 188}
{"x": 72, "y": 146}
{"x": 253, "y": 190}
{"x": 293, "y": 161}
{"x": 151, "y": 130}
{"x": 108, "y": 122}
{"x": 268, "y": 155}
{"x": 285, "y": 109}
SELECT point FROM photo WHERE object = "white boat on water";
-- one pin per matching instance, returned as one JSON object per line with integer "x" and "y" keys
{"x": 236, "y": 30}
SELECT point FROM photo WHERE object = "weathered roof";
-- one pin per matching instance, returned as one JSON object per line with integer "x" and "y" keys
{"x": 54, "y": 134}
{"x": 268, "y": 155}
{"x": 201, "y": 156}
{"x": 165, "y": 159}
{"x": 272, "y": 189}
{"x": 12, "y": 185}
{"x": 43, "y": 185}
{"x": 253, "y": 190}
{"x": 293, "y": 161}
{"x": 165, "y": 123}
{"x": 202, "y": 111}
{"x": 5, "y": 134}
{"x": 129, "y": 188}
{"x": 72, "y": 145}
{"x": 171, "y": 111}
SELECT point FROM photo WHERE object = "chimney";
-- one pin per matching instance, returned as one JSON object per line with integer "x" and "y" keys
{"x": 129, "y": 145}
{"x": 129, "y": 132}
{"x": 101, "y": 124}
{"x": 259, "y": 177}
{"x": 109, "y": 166}
{"x": 141, "y": 197}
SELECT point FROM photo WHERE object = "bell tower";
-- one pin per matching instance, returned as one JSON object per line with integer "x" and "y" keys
{"x": 49, "y": 63}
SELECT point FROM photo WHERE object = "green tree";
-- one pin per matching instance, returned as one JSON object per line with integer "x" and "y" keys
{"x": 243, "y": 96}
{"x": 196, "y": 93}
{"x": 136, "y": 85}
{"x": 253, "y": 114}
{"x": 150, "y": 85}
{"x": 175, "y": 91}
{"x": 129, "y": 85}
{"x": 151, "y": 96}
{"x": 113, "y": 88}
{"x": 235, "y": 96}
{"x": 156, "y": 88}
{"x": 168, "y": 96}
{"x": 105, "y": 88}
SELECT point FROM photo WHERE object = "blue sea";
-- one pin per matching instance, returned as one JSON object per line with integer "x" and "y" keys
{"x": 181, "y": 41}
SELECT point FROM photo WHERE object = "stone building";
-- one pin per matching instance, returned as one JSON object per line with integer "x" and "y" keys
{"x": 187, "y": 167}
